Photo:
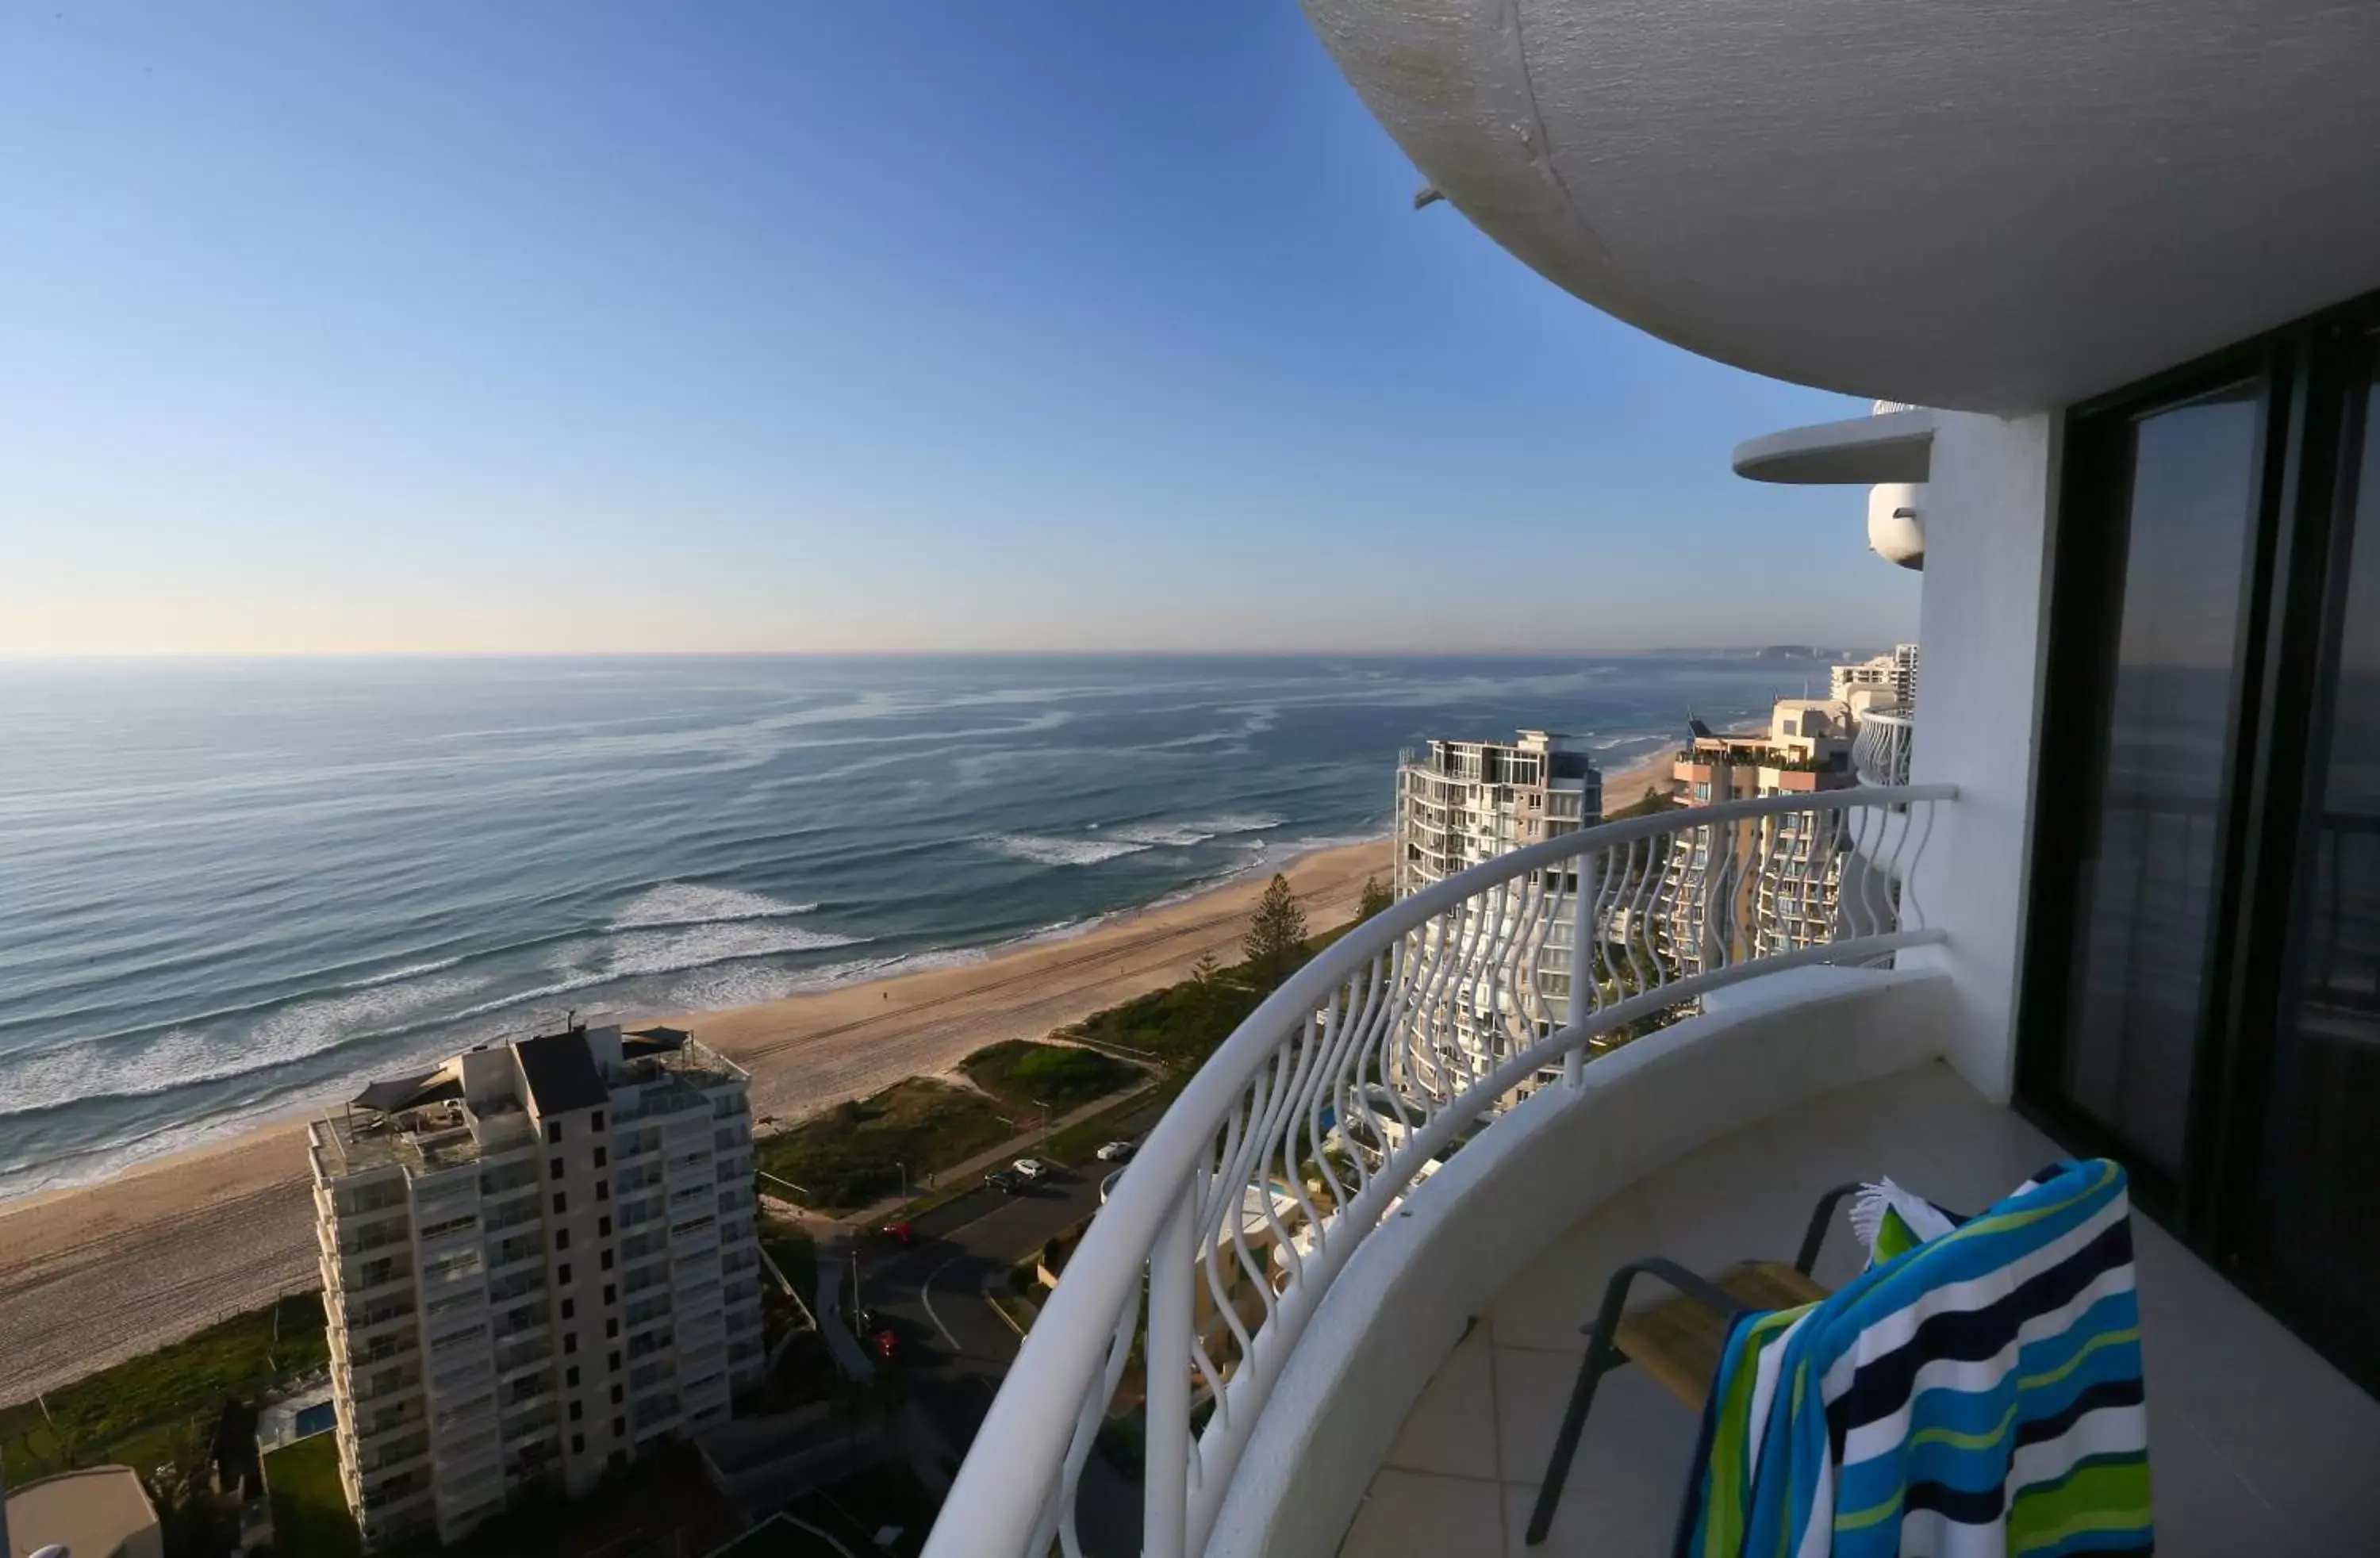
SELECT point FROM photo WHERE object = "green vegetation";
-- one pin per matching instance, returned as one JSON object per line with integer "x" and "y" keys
{"x": 1181, "y": 1024}
{"x": 1077, "y": 1145}
{"x": 1375, "y": 899}
{"x": 160, "y": 1408}
{"x": 1026, "y": 1076}
{"x": 852, "y": 1154}
{"x": 1276, "y": 939}
{"x": 310, "y": 1507}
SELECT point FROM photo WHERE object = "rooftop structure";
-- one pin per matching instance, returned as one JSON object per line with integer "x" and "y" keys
{"x": 1894, "y": 674}
{"x": 2125, "y": 903}
{"x": 538, "y": 1259}
{"x": 102, "y": 1511}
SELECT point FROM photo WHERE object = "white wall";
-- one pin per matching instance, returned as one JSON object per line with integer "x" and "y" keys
{"x": 1983, "y": 620}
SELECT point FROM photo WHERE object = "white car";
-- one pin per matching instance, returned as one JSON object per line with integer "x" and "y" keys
{"x": 1115, "y": 1152}
{"x": 1030, "y": 1168}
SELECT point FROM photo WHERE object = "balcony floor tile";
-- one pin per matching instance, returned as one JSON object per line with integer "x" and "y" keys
{"x": 1451, "y": 1430}
{"x": 1417, "y": 1515}
{"x": 2256, "y": 1443}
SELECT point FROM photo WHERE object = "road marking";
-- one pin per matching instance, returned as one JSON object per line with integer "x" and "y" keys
{"x": 926, "y": 1296}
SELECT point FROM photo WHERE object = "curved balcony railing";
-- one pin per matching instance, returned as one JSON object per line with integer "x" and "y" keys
{"x": 1880, "y": 749}
{"x": 1393, "y": 1047}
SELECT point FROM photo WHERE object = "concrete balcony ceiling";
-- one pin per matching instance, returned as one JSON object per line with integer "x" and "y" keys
{"x": 1993, "y": 207}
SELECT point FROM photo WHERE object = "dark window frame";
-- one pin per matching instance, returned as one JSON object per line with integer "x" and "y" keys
{"x": 2292, "y": 612}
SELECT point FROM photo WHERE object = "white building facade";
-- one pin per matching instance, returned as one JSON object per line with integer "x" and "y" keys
{"x": 1459, "y": 804}
{"x": 539, "y": 1259}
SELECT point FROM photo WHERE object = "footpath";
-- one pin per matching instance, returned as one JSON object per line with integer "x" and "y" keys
{"x": 961, "y": 1177}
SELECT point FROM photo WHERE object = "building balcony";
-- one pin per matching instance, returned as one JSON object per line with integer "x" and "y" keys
{"x": 1880, "y": 751}
{"x": 1375, "y": 1358}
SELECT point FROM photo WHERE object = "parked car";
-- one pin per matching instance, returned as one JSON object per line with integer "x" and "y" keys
{"x": 1115, "y": 1152}
{"x": 888, "y": 1345}
{"x": 1031, "y": 1168}
{"x": 1004, "y": 1182}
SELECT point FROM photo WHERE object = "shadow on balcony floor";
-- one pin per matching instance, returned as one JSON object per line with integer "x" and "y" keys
{"x": 2257, "y": 1444}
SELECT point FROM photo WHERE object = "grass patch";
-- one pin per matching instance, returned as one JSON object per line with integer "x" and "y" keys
{"x": 310, "y": 1507}
{"x": 160, "y": 1407}
{"x": 1026, "y": 1076}
{"x": 851, "y": 1155}
{"x": 1077, "y": 1145}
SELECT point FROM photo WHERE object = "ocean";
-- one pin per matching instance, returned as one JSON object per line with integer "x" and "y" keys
{"x": 229, "y": 888}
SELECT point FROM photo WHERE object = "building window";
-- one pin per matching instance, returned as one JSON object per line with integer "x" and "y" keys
{"x": 571, "y": 1379}
{"x": 553, "y": 1130}
{"x": 562, "y": 1238}
{"x": 603, "y": 1189}
{"x": 597, "y": 1122}
{"x": 600, "y": 1157}
{"x": 570, "y": 1308}
{"x": 607, "y": 1260}
{"x": 577, "y": 1411}
{"x": 619, "y": 1394}
{"x": 603, "y": 1226}
{"x": 612, "y": 1329}
{"x": 619, "y": 1428}
{"x": 610, "y": 1294}
{"x": 563, "y": 1276}
{"x": 616, "y": 1360}
{"x": 553, "y": 1168}
{"x": 561, "y": 1203}
{"x": 570, "y": 1341}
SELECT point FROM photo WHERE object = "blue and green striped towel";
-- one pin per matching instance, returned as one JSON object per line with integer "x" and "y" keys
{"x": 1979, "y": 1393}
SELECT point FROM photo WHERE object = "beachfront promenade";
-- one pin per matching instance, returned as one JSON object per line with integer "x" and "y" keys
{"x": 91, "y": 1276}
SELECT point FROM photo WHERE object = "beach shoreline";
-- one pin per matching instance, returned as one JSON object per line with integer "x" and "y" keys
{"x": 95, "y": 1272}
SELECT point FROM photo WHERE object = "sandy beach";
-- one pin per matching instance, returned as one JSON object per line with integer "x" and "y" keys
{"x": 100, "y": 1273}
{"x": 1626, "y": 787}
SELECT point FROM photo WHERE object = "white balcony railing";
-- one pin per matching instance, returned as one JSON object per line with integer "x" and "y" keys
{"x": 1880, "y": 749}
{"x": 1324, "y": 1110}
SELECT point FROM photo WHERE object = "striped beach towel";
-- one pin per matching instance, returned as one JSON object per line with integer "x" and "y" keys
{"x": 1978, "y": 1394}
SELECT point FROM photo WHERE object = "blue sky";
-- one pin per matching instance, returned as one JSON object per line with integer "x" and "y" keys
{"x": 469, "y": 327}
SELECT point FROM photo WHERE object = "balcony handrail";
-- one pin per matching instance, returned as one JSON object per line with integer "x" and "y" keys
{"x": 1415, "y": 1026}
{"x": 1880, "y": 749}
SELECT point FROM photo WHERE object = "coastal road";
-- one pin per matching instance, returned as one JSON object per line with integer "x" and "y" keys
{"x": 955, "y": 1348}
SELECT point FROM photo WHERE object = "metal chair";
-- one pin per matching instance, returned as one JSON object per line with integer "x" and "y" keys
{"x": 1677, "y": 1340}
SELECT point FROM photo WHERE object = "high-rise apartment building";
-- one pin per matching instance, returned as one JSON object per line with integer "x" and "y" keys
{"x": 538, "y": 1259}
{"x": 1765, "y": 884}
{"x": 1461, "y": 802}
{"x": 1896, "y": 672}
{"x": 1458, "y": 804}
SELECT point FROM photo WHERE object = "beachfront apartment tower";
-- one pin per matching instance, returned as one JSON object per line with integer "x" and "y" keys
{"x": 1766, "y": 884}
{"x": 1458, "y": 804}
{"x": 1896, "y": 672}
{"x": 538, "y": 1259}
{"x": 1461, "y": 802}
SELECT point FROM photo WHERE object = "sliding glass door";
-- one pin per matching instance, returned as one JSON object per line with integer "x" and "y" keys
{"x": 2318, "y": 1217}
{"x": 2202, "y": 952}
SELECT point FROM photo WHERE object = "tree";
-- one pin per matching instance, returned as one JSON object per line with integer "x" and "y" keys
{"x": 1204, "y": 972}
{"x": 1276, "y": 940}
{"x": 1375, "y": 899}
